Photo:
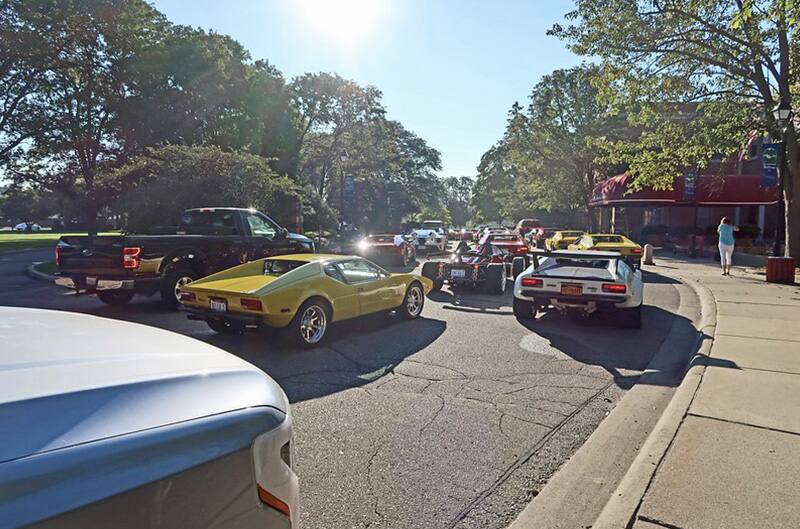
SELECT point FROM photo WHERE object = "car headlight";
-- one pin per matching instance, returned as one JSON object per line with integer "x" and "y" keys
{"x": 363, "y": 245}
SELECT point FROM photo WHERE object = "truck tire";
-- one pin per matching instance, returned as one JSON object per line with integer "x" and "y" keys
{"x": 115, "y": 298}
{"x": 631, "y": 318}
{"x": 431, "y": 271}
{"x": 174, "y": 278}
{"x": 523, "y": 310}
{"x": 518, "y": 265}
{"x": 495, "y": 278}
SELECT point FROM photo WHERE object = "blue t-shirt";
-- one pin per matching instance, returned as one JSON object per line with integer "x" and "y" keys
{"x": 725, "y": 234}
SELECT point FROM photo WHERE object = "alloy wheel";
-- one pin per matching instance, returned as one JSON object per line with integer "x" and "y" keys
{"x": 414, "y": 301}
{"x": 313, "y": 323}
{"x": 182, "y": 281}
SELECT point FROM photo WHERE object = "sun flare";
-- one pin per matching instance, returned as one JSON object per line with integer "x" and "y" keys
{"x": 346, "y": 22}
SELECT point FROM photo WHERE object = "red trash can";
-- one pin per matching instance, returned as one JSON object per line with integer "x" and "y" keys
{"x": 780, "y": 270}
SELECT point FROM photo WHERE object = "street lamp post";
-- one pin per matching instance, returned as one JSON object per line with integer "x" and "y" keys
{"x": 783, "y": 117}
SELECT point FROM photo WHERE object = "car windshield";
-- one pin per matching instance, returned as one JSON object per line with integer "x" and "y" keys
{"x": 571, "y": 233}
{"x": 380, "y": 238}
{"x": 278, "y": 267}
{"x": 565, "y": 262}
{"x": 431, "y": 225}
{"x": 505, "y": 238}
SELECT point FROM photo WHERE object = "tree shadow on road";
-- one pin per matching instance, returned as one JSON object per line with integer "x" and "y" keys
{"x": 355, "y": 353}
{"x": 620, "y": 351}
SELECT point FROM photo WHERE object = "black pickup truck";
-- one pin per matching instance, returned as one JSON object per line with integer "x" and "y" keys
{"x": 206, "y": 241}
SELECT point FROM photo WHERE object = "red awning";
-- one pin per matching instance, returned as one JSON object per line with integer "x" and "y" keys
{"x": 710, "y": 190}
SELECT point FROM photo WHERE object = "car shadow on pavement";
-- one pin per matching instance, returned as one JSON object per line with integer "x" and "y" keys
{"x": 474, "y": 301}
{"x": 355, "y": 353}
{"x": 620, "y": 351}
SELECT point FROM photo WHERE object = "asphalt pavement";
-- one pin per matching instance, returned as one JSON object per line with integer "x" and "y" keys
{"x": 454, "y": 420}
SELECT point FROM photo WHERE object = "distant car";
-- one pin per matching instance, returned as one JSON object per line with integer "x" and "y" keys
{"x": 116, "y": 424}
{"x": 526, "y": 225}
{"x": 27, "y": 226}
{"x": 582, "y": 282}
{"x": 394, "y": 249}
{"x": 610, "y": 242}
{"x": 560, "y": 240}
{"x": 301, "y": 294}
{"x": 459, "y": 234}
{"x": 430, "y": 236}
{"x": 511, "y": 245}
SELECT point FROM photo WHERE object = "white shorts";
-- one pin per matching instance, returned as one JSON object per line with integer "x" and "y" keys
{"x": 725, "y": 254}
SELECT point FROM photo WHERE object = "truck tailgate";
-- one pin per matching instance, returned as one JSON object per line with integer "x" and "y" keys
{"x": 91, "y": 255}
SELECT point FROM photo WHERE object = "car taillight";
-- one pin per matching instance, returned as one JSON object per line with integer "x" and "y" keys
{"x": 532, "y": 282}
{"x": 251, "y": 304}
{"x": 636, "y": 250}
{"x": 521, "y": 249}
{"x": 130, "y": 257}
{"x": 614, "y": 288}
{"x": 58, "y": 256}
{"x": 274, "y": 502}
{"x": 187, "y": 296}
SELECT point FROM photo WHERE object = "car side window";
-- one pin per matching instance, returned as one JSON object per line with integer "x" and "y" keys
{"x": 332, "y": 270}
{"x": 360, "y": 271}
{"x": 259, "y": 227}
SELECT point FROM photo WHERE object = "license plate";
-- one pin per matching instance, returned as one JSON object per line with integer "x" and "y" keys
{"x": 219, "y": 305}
{"x": 572, "y": 290}
{"x": 91, "y": 281}
{"x": 457, "y": 273}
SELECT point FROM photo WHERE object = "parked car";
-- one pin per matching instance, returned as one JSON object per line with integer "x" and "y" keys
{"x": 560, "y": 240}
{"x": 389, "y": 248}
{"x": 610, "y": 242}
{"x": 484, "y": 266}
{"x": 301, "y": 294}
{"x": 27, "y": 226}
{"x": 114, "y": 424}
{"x": 511, "y": 245}
{"x": 208, "y": 240}
{"x": 430, "y": 236}
{"x": 582, "y": 282}
{"x": 526, "y": 225}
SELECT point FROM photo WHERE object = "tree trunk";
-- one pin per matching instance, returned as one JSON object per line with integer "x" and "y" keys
{"x": 791, "y": 195}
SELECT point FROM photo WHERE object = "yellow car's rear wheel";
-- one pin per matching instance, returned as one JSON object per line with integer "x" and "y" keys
{"x": 310, "y": 324}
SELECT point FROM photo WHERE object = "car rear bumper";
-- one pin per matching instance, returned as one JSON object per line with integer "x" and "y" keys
{"x": 593, "y": 302}
{"x": 87, "y": 284}
{"x": 195, "y": 313}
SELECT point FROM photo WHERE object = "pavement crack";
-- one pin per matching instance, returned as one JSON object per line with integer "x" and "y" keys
{"x": 433, "y": 417}
{"x": 655, "y": 521}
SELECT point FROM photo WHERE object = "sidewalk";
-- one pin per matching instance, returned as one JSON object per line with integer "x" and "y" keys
{"x": 731, "y": 457}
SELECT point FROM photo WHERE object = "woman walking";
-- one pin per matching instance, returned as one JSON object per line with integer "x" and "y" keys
{"x": 726, "y": 242}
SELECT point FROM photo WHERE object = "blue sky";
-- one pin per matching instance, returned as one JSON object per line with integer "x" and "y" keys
{"x": 449, "y": 69}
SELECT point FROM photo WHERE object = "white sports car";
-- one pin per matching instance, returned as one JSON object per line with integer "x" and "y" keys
{"x": 581, "y": 282}
{"x": 430, "y": 236}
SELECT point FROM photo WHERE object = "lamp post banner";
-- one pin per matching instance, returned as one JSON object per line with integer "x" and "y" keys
{"x": 770, "y": 155}
{"x": 689, "y": 184}
{"x": 349, "y": 187}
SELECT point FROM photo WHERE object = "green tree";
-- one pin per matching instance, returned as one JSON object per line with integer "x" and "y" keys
{"x": 156, "y": 186}
{"x": 549, "y": 156}
{"x": 734, "y": 54}
{"x": 457, "y": 198}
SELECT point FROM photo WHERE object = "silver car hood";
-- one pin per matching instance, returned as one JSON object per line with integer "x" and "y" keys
{"x": 67, "y": 379}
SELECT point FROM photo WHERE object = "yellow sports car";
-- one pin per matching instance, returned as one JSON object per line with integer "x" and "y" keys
{"x": 610, "y": 242}
{"x": 302, "y": 294}
{"x": 562, "y": 239}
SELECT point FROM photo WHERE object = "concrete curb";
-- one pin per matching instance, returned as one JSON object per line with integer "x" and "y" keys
{"x": 620, "y": 511}
{"x": 32, "y": 272}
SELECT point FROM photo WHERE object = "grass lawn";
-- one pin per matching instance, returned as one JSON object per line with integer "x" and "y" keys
{"x": 15, "y": 241}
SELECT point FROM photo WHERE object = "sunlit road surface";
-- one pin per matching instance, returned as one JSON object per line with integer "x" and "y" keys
{"x": 452, "y": 420}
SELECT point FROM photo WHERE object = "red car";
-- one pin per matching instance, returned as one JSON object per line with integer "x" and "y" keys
{"x": 387, "y": 248}
{"x": 512, "y": 244}
{"x": 526, "y": 225}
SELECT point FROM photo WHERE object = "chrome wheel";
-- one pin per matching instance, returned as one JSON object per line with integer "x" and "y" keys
{"x": 313, "y": 323}
{"x": 414, "y": 301}
{"x": 182, "y": 281}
